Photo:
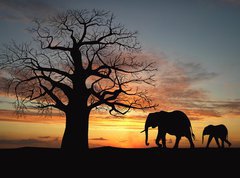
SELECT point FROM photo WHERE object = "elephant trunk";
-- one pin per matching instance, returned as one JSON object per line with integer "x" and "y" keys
{"x": 204, "y": 133}
{"x": 202, "y": 138}
{"x": 146, "y": 133}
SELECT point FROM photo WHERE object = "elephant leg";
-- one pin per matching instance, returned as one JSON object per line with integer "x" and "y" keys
{"x": 164, "y": 140}
{"x": 209, "y": 140}
{"x": 216, "y": 139}
{"x": 229, "y": 144}
{"x": 222, "y": 143}
{"x": 158, "y": 139}
{"x": 177, "y": 141}
{"x": 190, "y": 141}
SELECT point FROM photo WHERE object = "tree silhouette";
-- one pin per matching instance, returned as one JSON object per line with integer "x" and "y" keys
{"x": 78, "y": 60}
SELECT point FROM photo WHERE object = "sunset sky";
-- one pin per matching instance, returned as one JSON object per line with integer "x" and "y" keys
{"x": 196, "y": 44}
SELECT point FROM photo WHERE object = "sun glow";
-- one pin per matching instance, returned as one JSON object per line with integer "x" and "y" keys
{"x": 119, "y": 132}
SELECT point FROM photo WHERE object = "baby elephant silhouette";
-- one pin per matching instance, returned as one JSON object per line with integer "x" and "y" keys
{"x": 216, "y": 131}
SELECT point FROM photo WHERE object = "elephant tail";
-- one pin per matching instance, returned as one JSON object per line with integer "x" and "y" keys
{"x": 193, "y": 136}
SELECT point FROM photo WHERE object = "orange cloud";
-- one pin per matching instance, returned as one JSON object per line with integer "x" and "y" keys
{"x": 10, "y": 115}
{"x": 175, "y": 89}
{"x": 30, "y": 142}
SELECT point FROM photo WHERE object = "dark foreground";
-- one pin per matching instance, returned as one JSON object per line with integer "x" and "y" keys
{"x": 119, "y": 162}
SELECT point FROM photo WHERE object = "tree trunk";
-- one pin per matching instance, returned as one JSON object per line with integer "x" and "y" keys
{"x": 75, "y": 136}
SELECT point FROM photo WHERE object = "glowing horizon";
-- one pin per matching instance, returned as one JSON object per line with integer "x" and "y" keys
{"x": 117, "y": 132}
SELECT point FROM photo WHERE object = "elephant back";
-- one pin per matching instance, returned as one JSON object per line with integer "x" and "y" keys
{"x": 176, "y": 119}
{"x": 221, "y": 131}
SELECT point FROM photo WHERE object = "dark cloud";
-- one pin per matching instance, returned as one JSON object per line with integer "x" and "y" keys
{"x": 213, "y": 108}
{"x": 227, "y": 107}
{"x": 195, "y": 72}
{"x": 44, "y": 137}
{"x": 122, "y": 141}
{"x": 179, "y": 78}
{"x": 94, "y": 145}
{"x": 51, "y": 142}
{"x": 175, "y": 83}
{"x": 176, "y": 89}
{"x": 98, "y": 139}
{"x": 24, "y": 10}
{"x": 235, "y": 104}
{"x": 20, "y": 142}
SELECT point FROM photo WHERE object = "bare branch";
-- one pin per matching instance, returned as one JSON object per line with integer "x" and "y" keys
{"x": 83, "y": 59}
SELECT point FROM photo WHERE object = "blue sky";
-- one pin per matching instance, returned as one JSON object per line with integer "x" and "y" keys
{"x": 203, "y": 33}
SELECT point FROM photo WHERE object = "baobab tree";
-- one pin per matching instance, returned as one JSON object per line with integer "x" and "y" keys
{"x": 78, "y": 61}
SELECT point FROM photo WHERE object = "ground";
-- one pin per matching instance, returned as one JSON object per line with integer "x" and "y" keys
{"x": 119, "y": 162}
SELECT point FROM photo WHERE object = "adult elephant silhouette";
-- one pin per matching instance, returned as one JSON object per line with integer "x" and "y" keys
{"x": 174, "y": 123}
{"x": 217, "y": 132}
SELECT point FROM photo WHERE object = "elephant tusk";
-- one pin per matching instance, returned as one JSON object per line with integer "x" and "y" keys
{"x": 142, "y": 131}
